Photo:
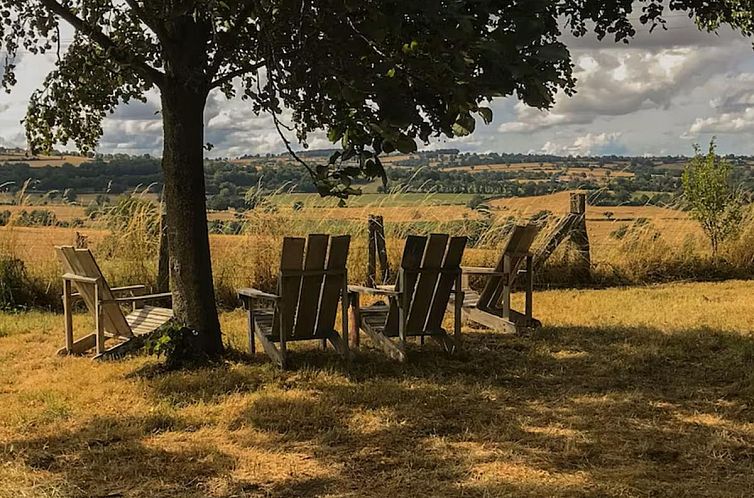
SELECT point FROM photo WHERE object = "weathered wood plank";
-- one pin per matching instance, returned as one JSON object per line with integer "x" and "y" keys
{"x": 272, "y": 351}
{"x": 390, "y": 348}
{"x": 445, "y": 283}
{"x": 333, "y": 284}
{"x": 426, "y": 283}
{"x": 311, "y": 287}
{"x": 113, "y": 319}
{"x": 413, "y": 253}
{"x": 292, "y": 258}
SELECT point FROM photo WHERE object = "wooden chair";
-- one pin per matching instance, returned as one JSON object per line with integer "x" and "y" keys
{"x": 492, "y": 307}
{"x": 310, "y": 284}
{"x": 81, "y": 271}
{"x": 429, "y": 272}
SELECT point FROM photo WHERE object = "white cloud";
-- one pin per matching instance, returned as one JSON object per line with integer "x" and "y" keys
{"x": 586, "y": 145}
{"x": 734, "y": 109}
{"x": 616, "y": 83}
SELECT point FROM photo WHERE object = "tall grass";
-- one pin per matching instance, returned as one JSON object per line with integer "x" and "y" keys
{"x": 127, "y": 250}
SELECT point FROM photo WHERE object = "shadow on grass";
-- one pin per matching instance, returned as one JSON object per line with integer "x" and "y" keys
{"x": 561, "y": 411}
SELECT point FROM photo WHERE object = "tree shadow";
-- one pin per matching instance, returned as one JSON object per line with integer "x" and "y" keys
{"x": 562, "y": 411}
{"x": 573, "y": 411}
{"x": 112, "y": 456}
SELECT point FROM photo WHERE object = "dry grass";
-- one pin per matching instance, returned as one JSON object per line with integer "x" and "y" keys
{"x": 667, "y": 246}
{"x": 631, "y": 392}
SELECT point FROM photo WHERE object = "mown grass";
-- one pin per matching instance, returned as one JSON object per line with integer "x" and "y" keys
{"x": 623, "y": 392}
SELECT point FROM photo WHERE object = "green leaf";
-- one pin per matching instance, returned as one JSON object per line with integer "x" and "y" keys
{"x": 464, "y": 125}
{"x": 486, "y": 114}
{"x": 406, "y": 144}
{"x": 334, "y": 134}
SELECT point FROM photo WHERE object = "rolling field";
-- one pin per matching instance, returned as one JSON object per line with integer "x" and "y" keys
{"x": 674, "y": 225}
{"x": 320, "y": 214}
{"x": 42, "y": 161}
{"x": 623, "y": 393}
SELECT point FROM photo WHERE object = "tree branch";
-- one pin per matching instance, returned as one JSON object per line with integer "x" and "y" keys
{"x": 227, "y": 77}
{"x": 222, "y": 51}
{"x": 118, "y": 54}
{"x": 150, "y": 23}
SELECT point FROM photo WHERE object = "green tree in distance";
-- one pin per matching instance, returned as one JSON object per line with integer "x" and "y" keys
{"x": 714, "y": 202}
{"x": 377, "y": 75}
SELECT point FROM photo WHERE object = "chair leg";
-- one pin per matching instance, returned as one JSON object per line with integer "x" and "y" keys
{"x": 272, "y": 351}
{"x": 458, "y": 311}
{"x": 507, "y": 288}
{"x": 68, "y": 316}
{"x": 354, "y": 321}
{"x": 250, "y": 315}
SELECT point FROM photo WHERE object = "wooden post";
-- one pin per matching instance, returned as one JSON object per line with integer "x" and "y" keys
{"x": 372, "y": 263}
{"x": 507, "y": 268}
{"x": 344, "y": 313}
{"x": 458, "y": 310}
{"x": 377, "y": 251}
{"x": 573, "y": 228}
{"x": 82, "y": 241}
{"x": 403, "y": 303}
{"x": 163, "y": 262}
{"x": 578, "y": 203}
{"x": 382, "y": 250}
{"x": 579, "y": 235}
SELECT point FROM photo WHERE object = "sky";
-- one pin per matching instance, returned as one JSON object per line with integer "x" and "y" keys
{"x": 659, "y": 95}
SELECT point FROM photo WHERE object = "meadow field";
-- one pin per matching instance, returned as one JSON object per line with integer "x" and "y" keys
{"x": 633, "y": 245}
{"x": 639, "y": 389}
{"x": 624, "y": 392}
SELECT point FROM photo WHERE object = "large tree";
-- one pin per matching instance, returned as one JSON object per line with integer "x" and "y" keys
{"x": 377, "y": 75}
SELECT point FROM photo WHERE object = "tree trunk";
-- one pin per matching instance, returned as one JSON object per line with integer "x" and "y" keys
{"x": 185, "y": 203}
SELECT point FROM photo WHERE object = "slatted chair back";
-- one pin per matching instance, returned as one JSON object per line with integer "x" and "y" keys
{"x": 81, "y": 262}
{"x": 312, "y": 279}
{"x": 517, "y": 248}
{"x": 429, "y": 269}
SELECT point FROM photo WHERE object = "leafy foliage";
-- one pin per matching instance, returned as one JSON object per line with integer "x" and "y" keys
{"x": 713, "y": 201}
{"x": 174, "y": 343}
{"x": 379, "y": 76}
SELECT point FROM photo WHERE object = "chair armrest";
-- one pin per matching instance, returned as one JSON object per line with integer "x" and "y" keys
{"x": 148, "y": 297}
{"x": 478, "y": 270}
{"x": 358, "y": 289}
{"x": 128, "y": 288}
{"x": 257, "y": 294}
{"x": 78, "y": 278}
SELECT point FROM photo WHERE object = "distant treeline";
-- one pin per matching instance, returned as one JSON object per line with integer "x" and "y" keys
{"x": 228, "y": 182}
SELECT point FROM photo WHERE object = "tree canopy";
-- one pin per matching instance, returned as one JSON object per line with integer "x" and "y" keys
{"x": 377, "y": 75}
